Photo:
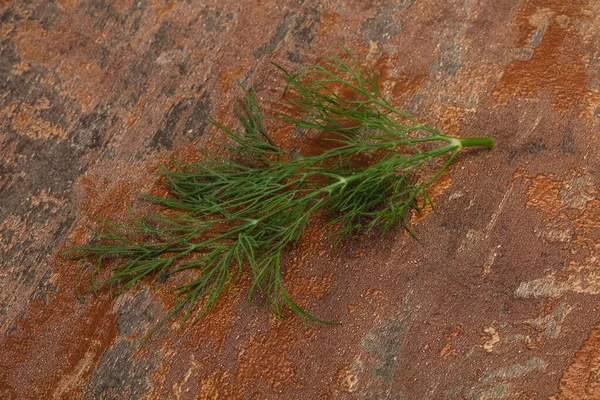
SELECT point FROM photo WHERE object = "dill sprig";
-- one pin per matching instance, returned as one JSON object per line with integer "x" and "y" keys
{"x": 241, "y": 211}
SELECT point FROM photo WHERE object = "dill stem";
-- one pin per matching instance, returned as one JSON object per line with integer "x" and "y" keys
{"x": 480, "y": 141}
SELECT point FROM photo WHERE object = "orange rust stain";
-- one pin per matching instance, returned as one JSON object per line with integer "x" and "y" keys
{"x": 318, "y": 286}
{"x": 581, "y": 380}
{"x": 46, "y": 347}
{"x": 544, "y": 193}
{"x": 215, "y": 387}
{"x": 324, "y": 141}
{"x": 452, "y": 119}
{"x": 114, "y": 203}
{"x": 575, "y": 205}
{"x": 229, "y": 76}
{"x": 407, "y": 85}
{"x": 382, "y": 69}
{"x": 183, "y": 153}
{"x": 555, "y": 63}
{"x": 31, "y": 126}
{"x": 591, "y": 105}
{"x": 401, "y": 87}
{"x": 170, "y": 6}
{"x": 328, "y": 22}
{"x": 449, "y": 350}
{"x": 71, "y": 5}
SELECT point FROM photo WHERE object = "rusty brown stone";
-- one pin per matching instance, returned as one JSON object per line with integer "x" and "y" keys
{"x": 500, "y": 301}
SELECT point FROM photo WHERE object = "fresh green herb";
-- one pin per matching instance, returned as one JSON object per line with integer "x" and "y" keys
{"x": 243, "y": 210}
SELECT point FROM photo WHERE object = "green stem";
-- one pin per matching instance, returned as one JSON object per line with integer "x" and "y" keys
{"x": 455, "y": 144}
{"x": 481, "y": 141}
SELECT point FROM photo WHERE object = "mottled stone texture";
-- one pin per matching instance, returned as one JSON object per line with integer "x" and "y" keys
{"x": 500, "y": 301}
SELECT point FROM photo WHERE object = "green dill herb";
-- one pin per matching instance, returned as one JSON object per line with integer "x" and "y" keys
{"x": 241, "y": 211}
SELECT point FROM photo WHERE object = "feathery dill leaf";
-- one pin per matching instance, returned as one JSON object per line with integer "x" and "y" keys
{"x": 243, "y": 210}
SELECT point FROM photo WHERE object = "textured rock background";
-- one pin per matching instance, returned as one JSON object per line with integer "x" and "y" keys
{"x": 500, "y": 302}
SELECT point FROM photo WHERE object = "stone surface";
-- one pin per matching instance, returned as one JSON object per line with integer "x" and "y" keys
{"x": 501, "y": 301}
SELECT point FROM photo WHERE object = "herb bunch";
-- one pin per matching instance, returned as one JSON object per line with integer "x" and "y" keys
{"x": 242, "y": 210}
